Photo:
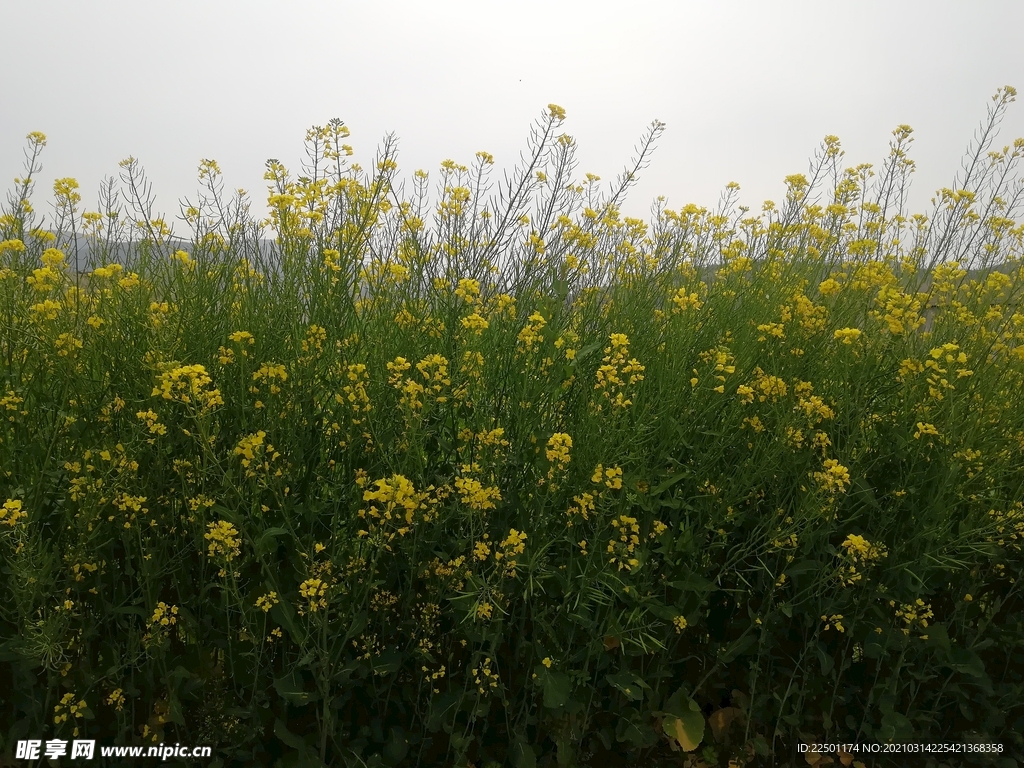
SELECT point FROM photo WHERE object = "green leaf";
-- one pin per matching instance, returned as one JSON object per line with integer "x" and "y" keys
{"x": 284, "y": 614}
{"x": 682, "y": 720}
{"x": 666, "y": 484}
{"x": 682, "y": 433}
{"x": 557, "y": 687}
{"x": 588, "y": 350}
{"x": 266, "y": 541}
{"x": 439, "y": 707}
{"x": 738, "y": 647}
{"x": 826, "y": 660}
{"x": 969, "y": 663}
{"x": 804, "y": 566}
{"x": 693, "y": 582}
{"x": 397, "y": 747}
{"x": 688, "y": 730}
{"x": 761, "y": 746}
{"x": 631, "y": 685}
{"x": 873, "y": 650}
{"x": 895, "y": 726}
{"x": 388, "y": 662}
{"x": 290, "y": 739}
{"x": 963, "y": 660}
{"x": 290, "y": 688}
{"x": 522, "y": 754}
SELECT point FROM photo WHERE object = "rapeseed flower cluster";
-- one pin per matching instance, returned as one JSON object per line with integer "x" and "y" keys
{"x": 835, "y": 621}
{"x": 768, "y": 387}
{"x": 485, "y": 678}
{"x": 188, "y": 383}
{"x": 913, "y": 615}
{"x": 531, "y": 335}
{"x": 514, "y": 544}
{"x": 617, "y": 372}
{"x": 164, "y": 618}
{"x": 811, "y": 317}
{"x": 611, "y": 477}
{"x": 353, "y": 394}
{"x": 584, "y": 506}
{"x": 468, "y": 290}
{"x": 226, "y": 355}
{"x": 481, "y": 549}
{"x": 684, "y": 301}
{"x": 1008, "y": 526}
{"x": 434, "y": 370}
{"x": 12, "y": 512}
{"x": 847, "y": 335}
{"x": 107, "y": 272}
{"x": 251, "y": 448}
{"x": 622, "y": 550}
{"x": 557, "y": 452}
{"x": 153, "y": 424}
{"x": 116, "y": 699}
{"x": 399, "y": 503}
{"x": 834, "y": 477}
{"x": 272, "y": 373}
{"x": 474, "y": 494}
{"x": 267, "y": 601}
{"x": 68, "y": 707}
{"x": 315, "y": 592}
{"x": 861, "y": 553}
{"x": 225, "y": 541}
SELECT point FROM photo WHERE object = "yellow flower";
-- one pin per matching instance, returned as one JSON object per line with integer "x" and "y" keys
{"x": 224, "y": 540}
{"x": 829, "y": 287}
{"x": 315, "y": 592}
{"x": 835, "y": 478}
{"x": 267, "y": 601}
{"x": 11, "y": 512}
{"x": 468, "y": 289}
{"x": 187, "y": 383}
{"x": 834, "y": 622}
{"x": 116, "y": 699}
{"x": 684, "y": 301}
{"x": 530, "y": 336}
{"x": 557, "y": 452}
{"x": 847, "y": 335}
{"x": 613, "y": 478}
{"x": 474, "y": 322}
{"x": 556, "y": 112}
{"x": 475, "y": 495}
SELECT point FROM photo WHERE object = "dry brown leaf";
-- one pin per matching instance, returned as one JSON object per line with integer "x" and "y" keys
{"x": 721, "y": 719}
{"x": 817, "y": 759}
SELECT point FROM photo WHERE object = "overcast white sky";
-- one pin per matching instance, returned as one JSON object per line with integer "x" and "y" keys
{"x": 747, "y": 89}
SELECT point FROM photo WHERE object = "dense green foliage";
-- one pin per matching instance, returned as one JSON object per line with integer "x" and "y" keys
{"x": 543, "y": 486}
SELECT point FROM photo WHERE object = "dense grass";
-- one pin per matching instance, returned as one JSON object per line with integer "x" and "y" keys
{"x": 542, "y": 484}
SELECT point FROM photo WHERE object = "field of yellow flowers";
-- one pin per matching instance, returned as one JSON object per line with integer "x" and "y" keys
{"x": 538, "y": 485}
